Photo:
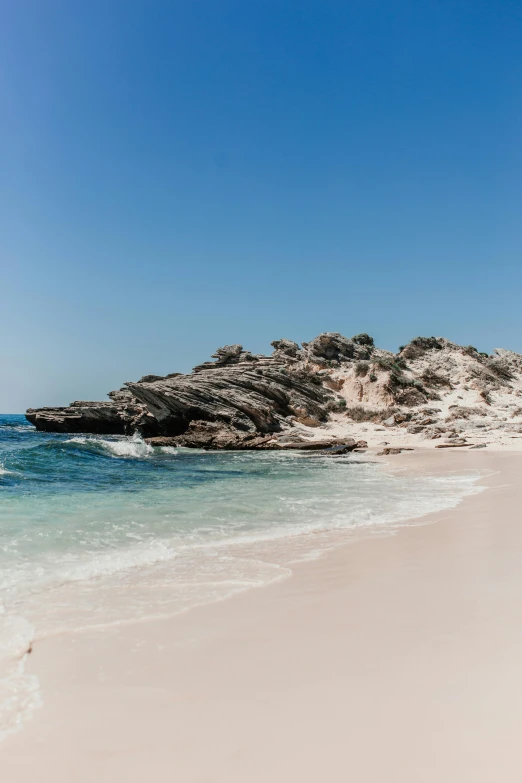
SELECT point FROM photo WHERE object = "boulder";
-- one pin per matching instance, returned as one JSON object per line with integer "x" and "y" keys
{"x": 161, "y": 440}
{"x": 286, "y": 349}
{"x": 324, "y": 446}
{"x": 332, "y": 346}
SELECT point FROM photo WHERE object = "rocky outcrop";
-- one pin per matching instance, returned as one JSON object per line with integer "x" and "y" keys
{"x": 102, "y": 418}
{"x": 252, "y": 397}
{"x": 333, "y": 347}
{"x": 240, "y": 400}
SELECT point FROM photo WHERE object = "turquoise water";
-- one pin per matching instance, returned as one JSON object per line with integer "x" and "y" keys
{"x": 101, "y": 530}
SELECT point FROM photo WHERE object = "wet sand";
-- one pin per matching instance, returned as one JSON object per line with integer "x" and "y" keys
{"x": 393, "y": 658}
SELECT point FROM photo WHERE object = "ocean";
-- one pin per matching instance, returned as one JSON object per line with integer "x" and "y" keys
{"x": 102, "y": 530}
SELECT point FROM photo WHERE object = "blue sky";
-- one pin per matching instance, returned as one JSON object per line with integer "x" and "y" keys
{"x": 180, "y": 175}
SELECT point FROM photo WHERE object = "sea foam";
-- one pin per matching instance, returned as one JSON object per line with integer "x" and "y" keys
{"x": 134, "y": 447}
{"x": 103, "y": 530}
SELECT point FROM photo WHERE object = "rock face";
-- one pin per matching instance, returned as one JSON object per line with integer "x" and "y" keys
{"x": 332, "y": 346}
{"x": 251, "y": 397}
{"x": 103, "y": 418}
{"x": 431, "y": 387}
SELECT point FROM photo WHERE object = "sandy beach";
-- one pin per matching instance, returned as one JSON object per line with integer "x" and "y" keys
{"x": 393, "y": 658}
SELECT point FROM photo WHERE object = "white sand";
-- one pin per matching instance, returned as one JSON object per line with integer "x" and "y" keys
{"x": 390, "y": 659}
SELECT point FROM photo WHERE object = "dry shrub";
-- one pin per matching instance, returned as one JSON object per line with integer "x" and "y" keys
{"x": 359, "y": 413}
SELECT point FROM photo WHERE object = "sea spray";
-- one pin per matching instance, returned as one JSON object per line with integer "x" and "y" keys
{"x": 134, "y": 447}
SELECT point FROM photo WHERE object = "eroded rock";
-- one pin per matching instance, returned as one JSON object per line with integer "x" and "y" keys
{"x": 245, "y": 400}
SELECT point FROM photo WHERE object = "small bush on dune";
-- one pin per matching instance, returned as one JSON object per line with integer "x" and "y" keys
{"x": 432, "y": 378}
{"x": 463, "y": 412}
{"x": 500, "y": 369}
{"x": 427, "y": 343}
{"x": 359, "y": 413}
{"x": 337, "y": 406}
{"x": 486, "y": 396}
{"x": 384, "y": 362}
{"x": 394, "y": 363}
{"x": 419, "y": 345}
{"x": 363, "y": 339}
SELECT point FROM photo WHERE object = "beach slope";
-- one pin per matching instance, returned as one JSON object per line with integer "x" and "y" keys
{"x": 393, "y": 658}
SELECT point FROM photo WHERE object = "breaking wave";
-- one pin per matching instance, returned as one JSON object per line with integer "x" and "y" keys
{"x": 101, "y": 530}
{"x": 134, "y": 447}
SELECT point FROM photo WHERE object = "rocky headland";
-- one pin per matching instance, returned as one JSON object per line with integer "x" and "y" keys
{"x": 333, "y": 392}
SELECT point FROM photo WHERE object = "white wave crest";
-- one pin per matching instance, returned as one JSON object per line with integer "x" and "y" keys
{"x": 130, "y": 447}
{"x": 135, "y": 447}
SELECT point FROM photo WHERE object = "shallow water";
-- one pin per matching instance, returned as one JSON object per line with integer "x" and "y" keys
{"x": 101, "y": 530}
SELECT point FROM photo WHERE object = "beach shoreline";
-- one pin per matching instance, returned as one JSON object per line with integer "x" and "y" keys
{"x": 302, "y": 677}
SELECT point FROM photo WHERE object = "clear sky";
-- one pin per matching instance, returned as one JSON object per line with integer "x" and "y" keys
{"x": 180, "y": 174}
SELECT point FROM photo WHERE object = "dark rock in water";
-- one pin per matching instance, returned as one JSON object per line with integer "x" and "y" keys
{"x": 161, "y": 440}
{"x": 101, "y": 418}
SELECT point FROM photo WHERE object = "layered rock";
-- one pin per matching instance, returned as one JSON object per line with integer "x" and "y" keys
{"x": 431, "y": 387}
{"x": 102, "y": 418}
{"x": 252, "y": 397}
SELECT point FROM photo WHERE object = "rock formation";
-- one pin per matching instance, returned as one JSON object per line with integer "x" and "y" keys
{"x": 432, "y": 387}
{"x": 117, "y": 417}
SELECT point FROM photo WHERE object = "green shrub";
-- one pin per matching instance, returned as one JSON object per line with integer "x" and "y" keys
{"x": 427, "y": 343}
{"x": 363, "y": 339}
{"x": 385, "y": 362}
